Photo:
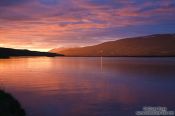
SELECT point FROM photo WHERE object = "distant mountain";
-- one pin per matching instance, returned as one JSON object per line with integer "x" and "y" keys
{"x": 152, "y": 45}
{"x": 59, "y": 49}
{"x": 8, "y": 52}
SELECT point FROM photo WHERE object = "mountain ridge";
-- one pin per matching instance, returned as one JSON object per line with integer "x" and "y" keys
{"x": 10, "y": 52}
{"x": 151, "y": 45}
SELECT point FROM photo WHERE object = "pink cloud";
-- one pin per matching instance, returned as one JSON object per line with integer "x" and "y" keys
{"x": 40, "y": 24}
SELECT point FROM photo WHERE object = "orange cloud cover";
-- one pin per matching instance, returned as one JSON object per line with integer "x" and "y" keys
{"x": 42, "y": 25}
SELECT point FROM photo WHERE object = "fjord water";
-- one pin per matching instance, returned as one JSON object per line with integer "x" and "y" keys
{"x": 68, "y": 86}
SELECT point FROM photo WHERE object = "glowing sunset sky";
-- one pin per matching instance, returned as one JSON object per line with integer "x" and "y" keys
{"x": 47, "y": 24}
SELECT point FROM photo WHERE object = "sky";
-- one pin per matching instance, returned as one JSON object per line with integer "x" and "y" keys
{"x": 46, "y": 24}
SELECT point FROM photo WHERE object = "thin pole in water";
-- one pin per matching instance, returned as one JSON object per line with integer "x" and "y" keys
{"x": 101, "y": 63}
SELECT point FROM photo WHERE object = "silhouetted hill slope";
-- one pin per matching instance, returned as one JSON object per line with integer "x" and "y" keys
{"x": 7, "y": 52}
{"x": 152, "y": 45}
{"x": 9, "y": 106}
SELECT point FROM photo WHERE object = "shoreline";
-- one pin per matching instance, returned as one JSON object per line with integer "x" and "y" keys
{"x": 8, "y": 57}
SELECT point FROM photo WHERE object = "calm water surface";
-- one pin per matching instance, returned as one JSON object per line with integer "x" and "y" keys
{"x": 89, "y": 86}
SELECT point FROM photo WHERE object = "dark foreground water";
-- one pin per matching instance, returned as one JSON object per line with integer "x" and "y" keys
{"x": 89, "y": 86}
